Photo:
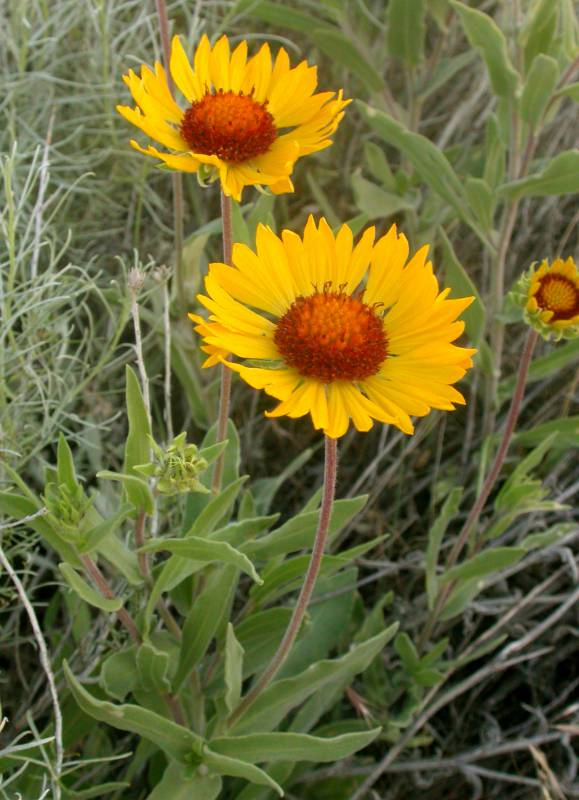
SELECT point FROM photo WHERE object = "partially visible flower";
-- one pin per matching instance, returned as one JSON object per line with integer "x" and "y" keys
{"x": 247, "y": 121}
{"x": 177, "y": 468}
{"x": 341, "y": 332}
{"x": 549, "y": 296}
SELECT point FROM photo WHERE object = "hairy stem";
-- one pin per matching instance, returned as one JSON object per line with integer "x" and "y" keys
{"x": 225, "y": 393}
{"x": 102, "y": 585}
{"x": 330, "y": 469}
{"x": 512, "y": 416}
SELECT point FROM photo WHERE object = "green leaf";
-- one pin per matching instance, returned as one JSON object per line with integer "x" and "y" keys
{"x": 280, "y": 697}
{"x": 138, "y": 490}
{"x": 176, "y": 741}
{"x": 484, "y": 564}
{"x": 86, "y": 592}
{"x": 523, "y": 469}
{"x": 137, "y": 446}
{"x": 551, "y": 536}
{"x": 204, "y": 620}
{"x": 342, "y": 50}
{"x": 153, "y": 668}
{"x": 538, "y": 31}
{"x": 460, "y": 597}
{"x": 539, "y": 86}
{"x": 224, "y": 765}
{"x": 373, "y": 201}
{"x": 94, "y": 537}
{"x": 435, "y": 536}
{"x": 571, "y": 90}
{"x": 177, "y": 783}
{"x": 566, "y": 428}
{"x": 99, "y": 791}
{"x": 484, "y": 34}
{"x": 279, "y": 15}
{"x": 204, "y": 551}
{"x": 66, "y": 473}
{"x": 407, "y": 651}
{"x": 378, "y": 166}
{"x": 406, "y": 30}
{"x": 430, "y": 163}
{"x": 457, "y": 277}
{"x": 118, "y": 675}
{"x": 258, "y": 747}
{"x": 560, "y": 176}
{"x": 260, "y": 635}
{"x": 233, "y": 670}
{"x": 299, "y": 531}
{"x": 481, "y": 201}
{"x": 217, "y": 508}
{"x": 556, "y": 360}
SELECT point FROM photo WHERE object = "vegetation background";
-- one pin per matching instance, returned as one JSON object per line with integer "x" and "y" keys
{"x": 492, "y": 711}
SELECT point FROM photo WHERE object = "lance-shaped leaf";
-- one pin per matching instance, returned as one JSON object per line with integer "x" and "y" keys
{"x": 484, "y": 564}
{"x": 137, "y": 446}
{"x": 280, "y": 697}
{"x": 86, "y": 592}
{"x": 560, "y": 176}
{"x": 206, "y": 551}
{"x": 138, "y": 490}
{"x": 233, "y": 669}
{"x": 176, "y": 741}
{"x": 177, "y": 783}
{"x": 224, "y": 765}
{"x": 259, "y": 747}
{"x": 406, "y": 30}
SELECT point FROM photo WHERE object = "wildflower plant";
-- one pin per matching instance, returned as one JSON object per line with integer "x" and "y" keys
{"x": 211, "y": 634}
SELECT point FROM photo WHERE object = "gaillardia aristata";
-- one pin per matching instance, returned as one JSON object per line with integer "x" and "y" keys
{"x": 549, "y": 295}
{"x": 342, "y": 332}
{"x": 247, "y": 120}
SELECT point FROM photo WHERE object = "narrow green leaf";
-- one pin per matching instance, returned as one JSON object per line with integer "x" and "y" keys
{"x": 178, "y": 742}
{"x": 406, "y": 30}
{"x": 138, "y": 490}
{"x": 137, "y": 445}
{"x": 66, "y": 472}
{"x": 484, "y": 564}
{"x": 177, "y": 783}
{"x": 457, "y": 277}
{"x": 481, "y": 201}
{"x": 259, "y": 747}
{"x": 86, "y": 592}
{"x": 343, "y": 50}
{"x": 556, "y": 360}
{"x": 430, "y": 163}
{"x": 94, "y": 537}
{"x": 204, "y": 620}
{"x": 205, "y": 551}
{"x": 549, "y": 537}
{"x": 281, "y": 15}
{"x": 217, "y": 508}
{"x": 484, "y": 34}
{"x": 224, "y": 765}
{"x": 539, "y": 86}
{"x": 435, "y": 536}
{"x": 374, "y": 201}
{"x": 566, "y": 428}
{"x": 99, "y": 791}
{"x": 278, "y": 699}
{"x": 153, "y": 668}
{"x": 560, "y": 176}
{"x": 571, "y": 90}
{"x": 233, "y": 671}
{"x": 539, "y": 30}
{"x": 118, "y": 675}
{"x": 407, "y": 651}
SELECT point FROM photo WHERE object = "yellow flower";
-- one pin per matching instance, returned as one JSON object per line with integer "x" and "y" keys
{"x": 247, "y": 121}
{"x": 344, "y": 332}
{"x": 551, "y": 295}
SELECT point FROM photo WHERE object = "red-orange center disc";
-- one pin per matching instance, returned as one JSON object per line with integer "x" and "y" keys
{"x": 230, "y": 125}
{"x": 332, "y": 336}
{"x": 559, "y": 295}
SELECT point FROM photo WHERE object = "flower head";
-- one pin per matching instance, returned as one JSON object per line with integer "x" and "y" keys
{"x": 342, "y": 332}
{"x": 549, "y": 296}
{"x": 247, "y": 120}
{"x": 177, "y": 468}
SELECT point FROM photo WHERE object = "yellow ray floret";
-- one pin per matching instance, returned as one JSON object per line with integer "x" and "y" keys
{"x": 342, "y": 332}
{"x": 245, "y": 120}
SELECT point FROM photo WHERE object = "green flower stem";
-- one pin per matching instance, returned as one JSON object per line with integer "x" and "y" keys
{"x": 100, "y": 582}
{"x": 225, "y": 393}
{"x": 512, "y": 416}
{"x": 330, "y": 469}
{"x": 177, "y": 178}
